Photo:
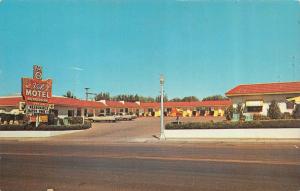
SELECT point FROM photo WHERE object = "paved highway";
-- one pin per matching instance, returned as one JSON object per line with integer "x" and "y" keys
{"x": 40, "y": 166}
{"x": 126, "y": 156}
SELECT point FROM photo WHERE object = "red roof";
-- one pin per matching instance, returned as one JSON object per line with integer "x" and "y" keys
{"x": 213, "y": 103}
{"x": 114, "y": 104}
{"x": 267, "y": 88}
{"x": 61, "y": 101}
{"x": 131, "y": 105}
{"x": 71, "y": 102}
{"x": 10, "y": 101}
{"x": 150, "y": 104}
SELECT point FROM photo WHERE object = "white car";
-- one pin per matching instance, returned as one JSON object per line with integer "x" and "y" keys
{"x": 103, "y": 119}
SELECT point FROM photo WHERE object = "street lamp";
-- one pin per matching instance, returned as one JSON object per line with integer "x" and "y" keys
{"x": 162, "y": 80}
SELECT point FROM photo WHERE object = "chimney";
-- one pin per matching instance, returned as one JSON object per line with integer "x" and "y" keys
{"x": 103, "y": 101}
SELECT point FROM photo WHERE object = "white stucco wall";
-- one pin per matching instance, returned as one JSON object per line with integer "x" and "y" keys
{"x": 275, "y": 133}
{"x": 281, "y": 99}
{"x": 28, "y": 134}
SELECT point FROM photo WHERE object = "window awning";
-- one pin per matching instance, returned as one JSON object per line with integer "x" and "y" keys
{"x": 295, "y": 99}
{"x": 254, "y": 103}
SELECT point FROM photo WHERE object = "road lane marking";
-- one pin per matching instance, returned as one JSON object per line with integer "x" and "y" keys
{"x": 296, "y": 146}
{"x": 160, "y": 158}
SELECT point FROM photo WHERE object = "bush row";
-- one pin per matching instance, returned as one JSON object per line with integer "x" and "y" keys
{"x": 44, "y": 127}
{"x": 236, "y": 125}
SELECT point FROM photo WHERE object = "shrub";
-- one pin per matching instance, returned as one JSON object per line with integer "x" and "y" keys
{"x": 258, "y": 117}
{"x": 286, "y": 115}
{"x": 237, "y": 125}
{"x": 44, "y": 127}
{"x": 296, "y": 113}
{"x": 75, "y": 120}
{"x": 274, "y": 110}
{"x": 229, "y": 113}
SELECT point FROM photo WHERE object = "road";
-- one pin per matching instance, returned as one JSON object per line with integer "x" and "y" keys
{"x": 92, "y": 160}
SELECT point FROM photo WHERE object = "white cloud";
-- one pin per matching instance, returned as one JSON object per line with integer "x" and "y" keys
{"x": 75, "y": 67}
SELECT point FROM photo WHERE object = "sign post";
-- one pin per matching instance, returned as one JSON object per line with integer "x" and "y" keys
{"x": 36, "y": 93}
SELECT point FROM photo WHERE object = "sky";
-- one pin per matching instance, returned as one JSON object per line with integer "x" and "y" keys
{"x": 201, "y": 47}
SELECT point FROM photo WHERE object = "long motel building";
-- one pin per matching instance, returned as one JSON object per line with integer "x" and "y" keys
{"x": 66, "y": 107}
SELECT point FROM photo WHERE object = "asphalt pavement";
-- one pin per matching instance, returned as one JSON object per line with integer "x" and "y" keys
{"x": 105, "y": 158}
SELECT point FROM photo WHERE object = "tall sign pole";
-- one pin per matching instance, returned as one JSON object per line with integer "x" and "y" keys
{"x": 162, "y": 128}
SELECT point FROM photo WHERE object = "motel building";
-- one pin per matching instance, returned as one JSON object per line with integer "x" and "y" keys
{"x": 69, "y": 107}
{"x": 186, "y": 109}
{"x": 256, "y": 98}
{"x": 61, "y": 106}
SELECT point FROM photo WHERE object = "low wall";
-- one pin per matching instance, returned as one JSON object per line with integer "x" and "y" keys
{"x": 31, "y": 134}
{"x": 278, "y": 133}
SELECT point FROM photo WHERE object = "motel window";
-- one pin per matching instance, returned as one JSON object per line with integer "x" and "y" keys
{"x": 121, "y": 110}
{"x": 254, "y": 109}
{"x": 150, "y": 110}
{"x": 78, "y": 112}
{"x": 290, "y": 105}
{"x": 70, "y": 113}
{"x": 107, "y": 110}
{"x": 126, "y": 110}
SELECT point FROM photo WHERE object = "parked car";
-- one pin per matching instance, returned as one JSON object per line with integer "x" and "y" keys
{"x": 125, "y": 117}
{"x": 103, "y": 119}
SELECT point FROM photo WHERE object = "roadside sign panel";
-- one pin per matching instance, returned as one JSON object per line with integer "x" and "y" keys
{"x": 37, "y": 92}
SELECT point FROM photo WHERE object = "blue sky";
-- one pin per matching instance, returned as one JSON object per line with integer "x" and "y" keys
{"x": 202, "y": 47}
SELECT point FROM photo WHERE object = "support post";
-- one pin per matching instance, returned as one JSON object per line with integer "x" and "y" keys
{"x": 162, "y": 128}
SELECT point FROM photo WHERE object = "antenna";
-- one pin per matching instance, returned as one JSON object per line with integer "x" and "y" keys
{"x": 87, "y": 93}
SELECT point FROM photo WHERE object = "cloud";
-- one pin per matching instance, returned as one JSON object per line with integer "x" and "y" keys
{"x": 75, "y": 67}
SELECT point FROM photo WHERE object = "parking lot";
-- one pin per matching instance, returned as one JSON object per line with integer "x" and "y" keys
{"x": 138, "y": 130}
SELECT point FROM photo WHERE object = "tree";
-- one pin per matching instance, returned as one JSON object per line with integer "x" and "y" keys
{"x": 102, "y": 96}
{"x": 214, "y": 97}
{"x": 274, "y": 110}
{"x": 190, "y": 98}
{"x": 69, "y": 94}
{"x": 229, "y": 112}
{"x": 296, "y": 113}
{"x": 176, "y": 99}
{"x": 157, "y": 99}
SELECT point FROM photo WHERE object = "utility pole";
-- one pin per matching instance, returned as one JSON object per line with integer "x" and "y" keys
{"x": 87, "y": 93}
{"x": 162, "y": 128}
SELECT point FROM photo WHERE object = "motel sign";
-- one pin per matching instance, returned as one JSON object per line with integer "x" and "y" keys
{"x": 37, "y": 92}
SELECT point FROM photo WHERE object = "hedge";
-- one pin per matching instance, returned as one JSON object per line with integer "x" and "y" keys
{"x": 236, "y": 125}
{"x": 44, "y": 127}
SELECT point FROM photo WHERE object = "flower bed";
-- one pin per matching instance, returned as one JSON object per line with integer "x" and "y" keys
{"x": 236, "y": 125}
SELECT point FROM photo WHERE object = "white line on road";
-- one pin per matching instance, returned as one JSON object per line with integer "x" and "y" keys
{"x": 296, "y": 146}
